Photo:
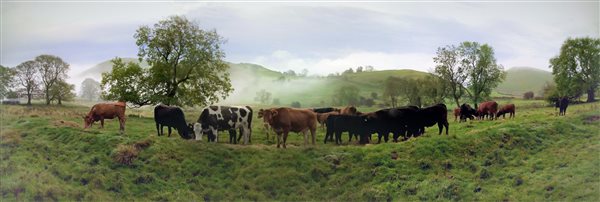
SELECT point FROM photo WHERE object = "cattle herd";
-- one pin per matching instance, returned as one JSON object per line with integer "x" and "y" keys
{"x": 402, "y": 122}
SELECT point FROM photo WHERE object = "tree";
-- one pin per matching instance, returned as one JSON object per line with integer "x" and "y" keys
{"x": 577, "y": 67}
{"x": 374, "y": 95}
{"x": 263, "y": 96}
{"x": 433, "y": 90}
{"x": 6, "y": 77}
{"x": 52, "y": 69}
{"x": 409, "y": 89}
{"x": 453, "y": 74}
{"x": 528, "y": 95}
{"x": 391, "y": 90}
{"x": 296, "y": 104}
{"x": 186, "y": 62}
{"x": 90, "y": 89}
{"x": 359, "y": 69}
{"x": 276, "y": 101}
{"x": 550, "y": 93}
{"x": 304, "y": 73}
{"x": 348, "y": 71}
{"x": 347, "y": 95}
{"x": 26, "y": 77}
{"x": 62, "y": 91}
{"x": 369, "y": 68}
{"x": 128, "y": 82}
{"x": 483, "y": 72}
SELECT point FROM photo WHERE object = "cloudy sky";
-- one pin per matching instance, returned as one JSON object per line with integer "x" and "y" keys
{"x": 321, "y": 37}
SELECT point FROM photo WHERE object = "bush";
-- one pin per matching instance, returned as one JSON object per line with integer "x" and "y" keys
{"x": 125, "y": 154}
{"x": 528, "y": 95}
{"x": 296, "y": 104}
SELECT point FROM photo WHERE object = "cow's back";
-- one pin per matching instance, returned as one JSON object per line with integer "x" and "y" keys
{"x": 107, "y": 110}
{"x": 296, "y": 119}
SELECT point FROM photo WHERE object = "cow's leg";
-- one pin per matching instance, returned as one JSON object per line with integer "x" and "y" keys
{"x": 169, "y": 129}
{"x": 157, "y": 129}
{"x": 161, "y": 130}
{"x": 122, "y": 123}
{"x": 313, "y": 135}
{"x": 215, "y": 133}
{"x": 285, "y": 135}
{"x": 305, "y": 133}
{"x": 232, "y": 136}
{"x": 278, "y": 138}
{"x": 101, "y": 122}
{"x": 338, "y": 137}
{"x": 379, "y": 135}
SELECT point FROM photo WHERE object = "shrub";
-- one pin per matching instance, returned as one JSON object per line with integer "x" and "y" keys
{"x": 125, "y": 154}
{"x": 528, "y": 95}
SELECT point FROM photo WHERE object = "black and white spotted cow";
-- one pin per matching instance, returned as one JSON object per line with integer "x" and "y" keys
{"x": 224, "y": 118}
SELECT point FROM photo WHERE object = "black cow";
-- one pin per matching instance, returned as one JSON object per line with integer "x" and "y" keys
{"x": 171, "y": 117}
{"x": 429, "y": 116}
{"x": 354, "y": 125}
{"x": 466, "y": 111}
{"x": 392, "y": 120}
{"x": 325, "y": 110}
{"x": 220, "y": 118}
{"x": 562, "y": 104}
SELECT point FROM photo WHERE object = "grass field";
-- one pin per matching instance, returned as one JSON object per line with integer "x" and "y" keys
{"x": 46, "y": 155}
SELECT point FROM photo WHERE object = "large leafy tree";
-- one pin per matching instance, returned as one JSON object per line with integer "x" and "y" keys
{"x": 484, "y": 74}
{"x": 90, "y": 89}
{"x": 52, "y": 69}
{"x": 62, "y": 91}
{"x": 432, "y": 90}
{"x": 347, "y": 95}
{"x": 449, "y": 69}
{"x": 577, "y": 68}
{"x": 27, "y": 78}
{"x": 6, "y": 77}
{"x": 186, "y": 62}
{"x": 391, "y": 90}
{"x": 127, "y": 82}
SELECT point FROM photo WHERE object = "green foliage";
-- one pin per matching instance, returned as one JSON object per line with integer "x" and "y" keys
{"x": 62, "y": 91}
{"x": 6, "y": 79}
{"x": 296, "y": 104}
{"x": 449, "y": 68}
{"x": 263, "y": 97}
{"x": 26, "y": 76}
{"x": 128, "y": 82}
{"x": 346, "y": 95}
{"x": 528, "y": 95}
{"x": 52, "y": 69}
{"x": 432, "y": 90}
{"x": 186, "y": 62}
{"x": 550, "y": 93}
{"x": 577, "y": 67}
{"x": 484, "y": 73}
{"x": 391, "y": 90}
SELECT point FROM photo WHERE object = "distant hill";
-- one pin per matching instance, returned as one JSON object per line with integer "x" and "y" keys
{"x": 522, "y": 79}
{"x": 97, "y": 70}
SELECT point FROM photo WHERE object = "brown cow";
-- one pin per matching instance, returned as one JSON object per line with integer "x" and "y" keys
{"x": 509, "y": 108}
{"x": 283, "y": 120}
{"x": 350, "y": 110}
{"x": 488, "y": 108}
{"x": 456, "y": 113}
{"x": 322, "y": 117}
{"x": 266, "y": 126}
{"x": 102, "y": 111}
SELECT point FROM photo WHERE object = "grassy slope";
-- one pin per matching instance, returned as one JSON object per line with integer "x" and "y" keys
{"x": 522, "y": 79}
{"x": 536, "y": 156}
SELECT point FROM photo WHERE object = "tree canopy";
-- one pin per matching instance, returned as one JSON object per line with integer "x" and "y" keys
{"x": 90, "y": 89}
{"x": 186, "y": 63}
{"x": 6, "y": 76}
{"x": 52, "y": 69}
{"x": 26, "y": 76}
{"x": 577, "y": 67}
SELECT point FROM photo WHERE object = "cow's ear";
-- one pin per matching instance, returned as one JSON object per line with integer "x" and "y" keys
{"x": 274, "y": 112}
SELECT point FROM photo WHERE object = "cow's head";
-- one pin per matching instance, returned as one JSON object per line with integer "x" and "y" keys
{"x": 197, "y": 128}
{"x": 87, "y": 121}
{"x": 188, "y": 133}
{"x": 269, "y": 114}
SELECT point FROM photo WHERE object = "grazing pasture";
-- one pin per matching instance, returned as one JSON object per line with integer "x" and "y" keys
{"x": 537, "y": 156}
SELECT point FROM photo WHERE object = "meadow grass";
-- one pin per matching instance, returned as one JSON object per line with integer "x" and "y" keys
{"x": 46, "y": 155}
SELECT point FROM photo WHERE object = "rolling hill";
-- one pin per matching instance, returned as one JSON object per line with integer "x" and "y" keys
{"x": 522, "y": 79}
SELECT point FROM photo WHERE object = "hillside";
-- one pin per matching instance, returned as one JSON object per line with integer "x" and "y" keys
{"x": 522, "y": 79}
{"x": 534, "y": 157}
{"x": 97, "y": 70}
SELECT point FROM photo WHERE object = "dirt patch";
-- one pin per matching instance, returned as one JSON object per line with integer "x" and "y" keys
{"x": 591, "y": 119}
{"x": 9, "y": 138}
{"x": 63, "y": 123}
{"x": 125, "y": 154}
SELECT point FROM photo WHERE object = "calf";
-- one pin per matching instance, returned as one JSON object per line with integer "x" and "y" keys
{"x": 509, "y": 108}
{"x": 489, "y": 108}
{"x": 354, "y": 125}
{"x": 171, "y": 117}
{"x": 102, "y": 111}
{"x": 220, "y": 118}
{"x": 350, "y": 110}
{"x": 456, "y": 113}
{"x": 466, "y": 111}
{"x": 283, "y": 120}
{"x": 562, "y": 104}
{"x": 429, "y": 116}
{"x": 266, "y": 126}
{"x": 321, "y": 117}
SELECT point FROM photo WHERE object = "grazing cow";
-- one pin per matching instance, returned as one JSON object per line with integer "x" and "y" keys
{"x": 102, "y": 111}
{"x": 266, "y": 126}
{"x": 456, "y": 113}
{"x": 350, "y": 110}
{"x": 354, "y": 125}
{"x": 488, "y": 108}
{"x": 224, "y": 118}
{"x": 326, "y": 110}
{"x": 466, "y": 111}
{"x": 283, "y": 120}
{"x": 392, "y": 120}
{"x": 509, "y": 108}
{"x": 562, "y": 104}
{"x": 171, "y": 117}
{"x": 322, "y": 117}
{"x": 429, "y": 116}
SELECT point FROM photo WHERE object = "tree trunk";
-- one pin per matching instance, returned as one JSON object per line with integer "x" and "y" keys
{"x": 47, "y": 96}
{"x": 591, "y": 95}
{"x": 29, "y": 99}
{"x": 457, "y": 103}
{"x": 59, "y": 100}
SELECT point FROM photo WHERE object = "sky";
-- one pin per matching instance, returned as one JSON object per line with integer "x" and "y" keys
{"x": 322, "y": 37}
